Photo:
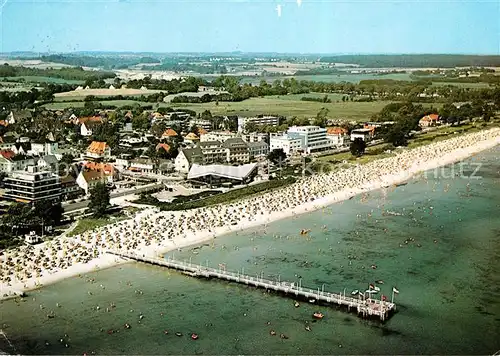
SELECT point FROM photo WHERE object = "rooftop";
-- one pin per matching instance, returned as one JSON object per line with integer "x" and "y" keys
{"x": 238, "y": 173}
{"x": 97, "y": 147}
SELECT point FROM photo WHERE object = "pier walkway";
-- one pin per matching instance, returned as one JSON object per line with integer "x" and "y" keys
{"x": 364, "y": 307}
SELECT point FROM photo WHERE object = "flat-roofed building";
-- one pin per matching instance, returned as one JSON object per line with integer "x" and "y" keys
{"x": 221, "y": 136}
{"x": 289, "y": 145}
{"x": 313, "y": 138}
{"x": 217, "y": 174}
{"x": 259, "y": 121}
{"x": 364, "y": 134}
{"x": 32, "y": 185}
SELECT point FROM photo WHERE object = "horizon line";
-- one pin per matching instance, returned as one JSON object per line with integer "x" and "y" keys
{"x": 40, "y": 53}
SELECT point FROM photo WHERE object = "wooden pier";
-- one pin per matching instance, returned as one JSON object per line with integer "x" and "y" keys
{"x": 364, "y": 307}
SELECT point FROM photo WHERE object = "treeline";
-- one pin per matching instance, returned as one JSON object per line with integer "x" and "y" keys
{"x": 482, "y": 78}
{"x": 319, "y": 71}
{"x": 73, "y": 73}
{"x": 415, "y": 60}
{"x": 324, "y": 99}
{"x": 205, "y": 98}
{"x": 102, "y": 62}
{"x": 174, "y": 86}
{"x": 215, "y": 68}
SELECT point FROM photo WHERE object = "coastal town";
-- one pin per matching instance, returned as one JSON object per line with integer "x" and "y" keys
{"x": 155, "y": 199}
{"x": 217, "y": 161}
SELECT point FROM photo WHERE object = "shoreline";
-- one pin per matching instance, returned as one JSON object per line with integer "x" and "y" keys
{"x": 105, "y": 260}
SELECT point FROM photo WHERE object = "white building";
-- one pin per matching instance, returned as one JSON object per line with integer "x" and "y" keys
{"x": 143, "y": 165}
{"x": 220, "y": 136}
{"x": 255, "y": 137}
{"x": 259, "y": 121}
{"x": 288, "y": 144}
{"x": 43, "y": 149}
{"x": 364, "y": 134}
{"x": 258, "y": 149}
{"x": 313, "y": 137}
{"x": 338, "y": 136}
{"x": 186, "y": 158}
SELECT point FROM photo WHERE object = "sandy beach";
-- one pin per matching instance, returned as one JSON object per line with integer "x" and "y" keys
{"x": 152, "y": 232}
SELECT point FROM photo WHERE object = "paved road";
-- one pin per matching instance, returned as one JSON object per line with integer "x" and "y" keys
{"x": 83, "y": 204}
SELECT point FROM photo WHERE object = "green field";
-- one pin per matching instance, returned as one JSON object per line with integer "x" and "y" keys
{"x": 463, "y": 85}
{"x": 332, "y": 97}
{"x": 288, "y": 107}
{"x": 278, "y": 105}
{"x": 61, "y": 105}
{"x": 34, "y": 79}
{"x": 327, "y": 78}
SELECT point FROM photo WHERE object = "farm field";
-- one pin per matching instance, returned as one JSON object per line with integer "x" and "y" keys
{"x": 35, "y": 79}
{"x": 61, "y": 105}
{"x": 333, "y": 97}
{"x": 463, "y": 85}
{"x": 273, "y": 105}
{"x": 75, "y": 94}
{"x": 289, "y": 107}
{"x": 329, "y": 78}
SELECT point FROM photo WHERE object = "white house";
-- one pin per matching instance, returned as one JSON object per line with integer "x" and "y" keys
{"x": 364, "y": 134}
{"x": 338, "y": 136}
{"x": 87, "y": 179}
{"x": 98, "y": 150}
{"x": 42, "y": 149}
{"x": 86, "y": 130}
{"x": 186, "y": 158}
{"x": 142, "y": 165}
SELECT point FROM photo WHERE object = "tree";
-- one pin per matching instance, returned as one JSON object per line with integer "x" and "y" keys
{"x": 358, "y": 147}
{"x": 321, "y": 117}
{"x": 99, "y": 200}
{"x": 277, "y": 156}
{"x": 396, "y": 135}
{"x": 47, "y": 212}
{"x": 251, "y": 127}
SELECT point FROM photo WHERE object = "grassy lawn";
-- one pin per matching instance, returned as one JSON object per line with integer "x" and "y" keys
{"x": 90, "y": 223}
{"x": 358, "y": 111}
{"x": 371, "y": 153}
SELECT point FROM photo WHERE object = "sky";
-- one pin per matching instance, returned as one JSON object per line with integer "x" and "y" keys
{"x": 284, "y": 26}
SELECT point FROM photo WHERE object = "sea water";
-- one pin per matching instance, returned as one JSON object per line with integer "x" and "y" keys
{"x": 436, "y": 239}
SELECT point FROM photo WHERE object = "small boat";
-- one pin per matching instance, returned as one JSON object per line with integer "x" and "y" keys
{"x": 283, "y": 336}
{"x": 380, "y": 282}
{"x": 165, "y": 332}
{"x": 373, "y": 266}
{"x": 296, "y": 304}
{"x": 178, "y": 334}
{"x": 194, "y": 336}
{"x": 126, "y": 326}
{"x": 312, "y": 300}
{"x": 354, "y": 292}
{"x": 308, "y": 328}
{"x": 272, "y": 332}
{"x": 318, "y": 315}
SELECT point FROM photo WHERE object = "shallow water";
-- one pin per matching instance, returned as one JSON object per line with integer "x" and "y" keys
{"x": 447, "y": 277}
